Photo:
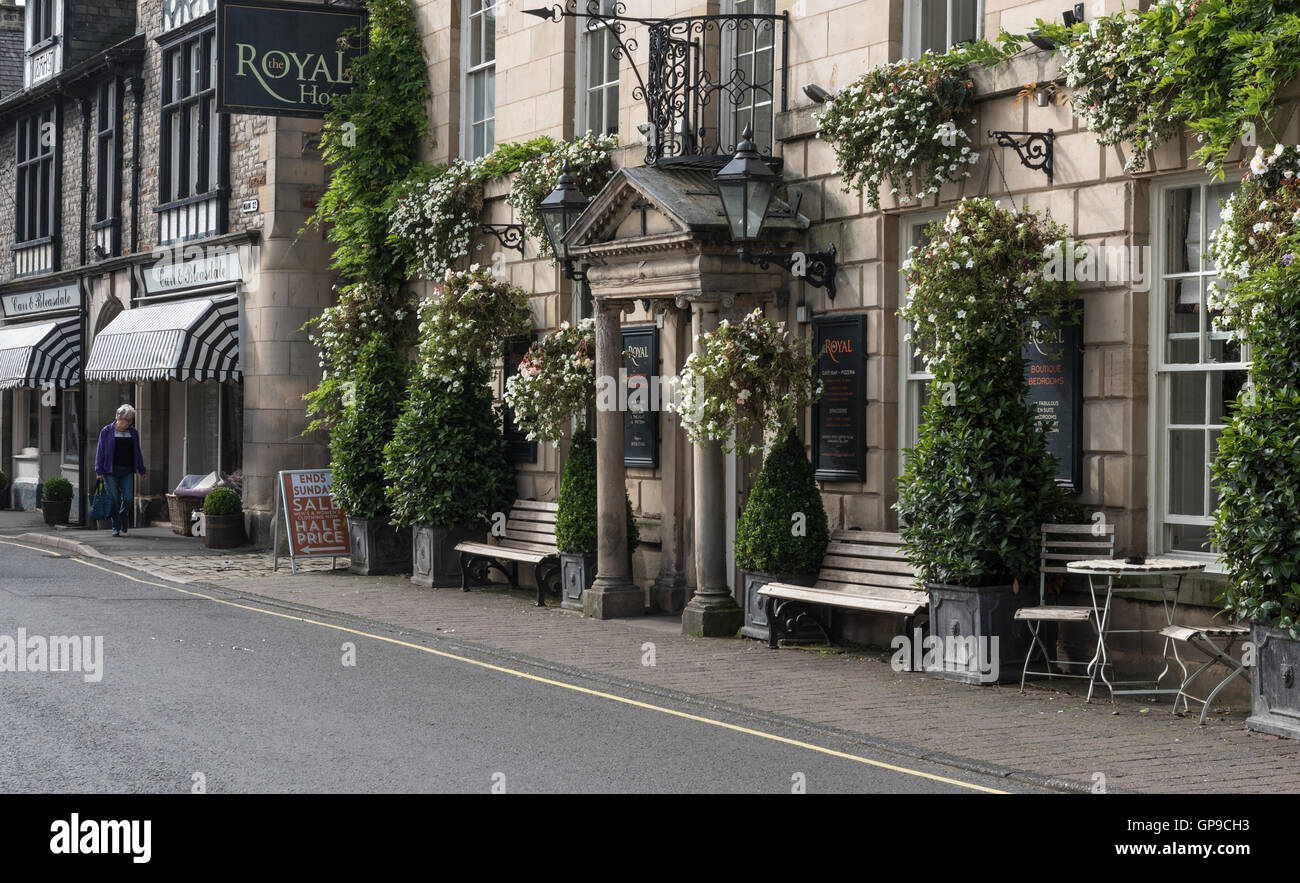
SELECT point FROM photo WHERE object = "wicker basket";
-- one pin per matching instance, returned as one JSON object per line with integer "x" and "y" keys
{"x": 179, "y": 510}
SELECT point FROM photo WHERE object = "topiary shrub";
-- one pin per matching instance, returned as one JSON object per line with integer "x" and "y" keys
{"x": 980, "y": 481}
{"x": 575, "y": 522}
{"x": 357, "y": 442}
{"x": 766, "y": 541}
{"x": 448, "y": 464}
{"x": 222, "y": 501}
{"x": 57, "y": 490}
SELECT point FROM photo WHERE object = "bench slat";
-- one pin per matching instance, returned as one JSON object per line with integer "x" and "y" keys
{"x": 510, "y": 553}
{"x": 850, "y": 600}
{"x": 890, "y": 593}
{"x": 530, "y": 527}
{"x": 867, "y": 536}
{"x": 874, "y": 565}
{"x": 858, "y": 577}
{"x": 1074, "y": 544}
{"x": 536, "y": 505}
{"x": 532, "y": 516}
{"x": 856, "y": 550}
{"x": 1076, "y": 528}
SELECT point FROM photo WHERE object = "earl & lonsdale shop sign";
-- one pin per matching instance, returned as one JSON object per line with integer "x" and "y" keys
{"x": 285, "y": 59}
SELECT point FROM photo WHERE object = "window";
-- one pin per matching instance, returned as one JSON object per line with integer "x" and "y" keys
{"x": 192, "y": 149}
{"x": 752, "y": 58}
{"x": 43, "y": 15}
{"x": 914, "y": 376}
{"x": 1198, "y": 370}
{"x": 43, "y": 55}
{"x": 479, "y": 82}
{"x": 108, "y": 159}
{"x": 938, "y": 25}
{"x": 214, "y": 427}
{"x": 35, "y": 193}
{"x": 598, "y": 74}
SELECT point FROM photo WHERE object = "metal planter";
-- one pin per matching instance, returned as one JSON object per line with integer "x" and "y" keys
{"x": 978, "y": 639}
{"x": 378, "y": 547}
{"x": 577, "y": 573}
{"x": 434, "y": 559}
{"x": 755, "y": 611}
{"x": 1274, "y": 687}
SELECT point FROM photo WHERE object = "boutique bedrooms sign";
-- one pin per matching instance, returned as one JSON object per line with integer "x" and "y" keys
{"x": 284, "y": 59}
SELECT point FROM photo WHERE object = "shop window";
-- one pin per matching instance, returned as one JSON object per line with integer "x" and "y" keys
{"x": 598, "y": 76}
{"x": 478, "y": 84}
{"x": 1198, "y": 370}
{"x": 193, "y": 150}
{"x": 33, "y": 437}
{"x": 72, "y": 434}
{"x": 35, "y": 196}
{"x": 214, "y": 427}
{"x": 938, "y": 25}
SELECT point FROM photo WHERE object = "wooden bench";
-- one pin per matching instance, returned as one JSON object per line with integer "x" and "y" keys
{"x": 529, "y": 538}
{"x": 863, "y": 570}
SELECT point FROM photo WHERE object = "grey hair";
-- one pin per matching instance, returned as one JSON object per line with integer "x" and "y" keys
{"x": 126, "y": 412}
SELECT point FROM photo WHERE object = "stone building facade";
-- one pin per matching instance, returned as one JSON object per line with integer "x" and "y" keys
{"x": 177, "y": 213}
{"x": 1149, "y": 412}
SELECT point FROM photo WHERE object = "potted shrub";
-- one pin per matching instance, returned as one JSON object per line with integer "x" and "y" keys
{"x": 575, "y": 522}
{"x": 448, "y": 467}
{"x": 356, "y": 455}
{"x": 223, "y": 519}
{"x": 750, "y": 379}
{"x": 782, "y": 534}
{"x": 1257, "y": 523}
{"x": 56, "y": 501}
{"x": 980, "y": 481}
{"x": 555, "y": 381}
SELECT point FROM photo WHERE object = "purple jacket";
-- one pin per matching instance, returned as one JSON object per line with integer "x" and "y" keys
{"x": 104, "y": 452}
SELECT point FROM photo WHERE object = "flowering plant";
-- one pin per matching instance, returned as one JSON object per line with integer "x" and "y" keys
{"x": 1257, "y": 522}
{"x": 434, "y": 215}
{"x": 467, "y": 322}
{"x": 902, "y": 121}
{"x": 590, "y": 167}
{"x": 746, "y": 376}
{"x": 556, "y": 379}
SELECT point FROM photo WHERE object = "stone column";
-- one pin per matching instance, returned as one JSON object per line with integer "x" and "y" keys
{"x": 712, "y": 612}
{"x": 613, "y": 593}
{"x": 669, "y": 592}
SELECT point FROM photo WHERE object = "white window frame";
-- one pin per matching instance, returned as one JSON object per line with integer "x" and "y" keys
{"x": 732, "y": 124}
{"x": 467, "y": 78}
{"x": 1160, "y": 371}
{"x": 589, "y": 30}
{"x": 909, "y": 381}
{"x": 912, "y": 26}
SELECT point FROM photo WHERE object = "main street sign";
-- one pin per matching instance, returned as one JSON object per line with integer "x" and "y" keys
{"x": 284, "y": 59}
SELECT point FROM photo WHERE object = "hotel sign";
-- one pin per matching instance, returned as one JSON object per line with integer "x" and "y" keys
{"x": 284, "y": 59}
{"x": 47, "y": 300}
{"x": 840, "y": 416}
{"x": 1054, "y": 371}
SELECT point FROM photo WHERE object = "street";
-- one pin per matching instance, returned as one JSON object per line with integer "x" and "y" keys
{"x": 199, "y": 688}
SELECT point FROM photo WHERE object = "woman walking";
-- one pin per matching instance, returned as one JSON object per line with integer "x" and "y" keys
{"x": 117, "y": 459}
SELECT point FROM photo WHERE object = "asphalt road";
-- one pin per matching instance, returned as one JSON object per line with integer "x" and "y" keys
{"x": 245, "y": 697}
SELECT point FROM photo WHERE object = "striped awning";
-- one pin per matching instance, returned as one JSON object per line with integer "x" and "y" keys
{"x": 40, "y": 352}
{"x": 184, "y": 340}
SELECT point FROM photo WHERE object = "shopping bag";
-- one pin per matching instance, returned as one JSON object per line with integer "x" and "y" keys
{"x": 101, "y": 504}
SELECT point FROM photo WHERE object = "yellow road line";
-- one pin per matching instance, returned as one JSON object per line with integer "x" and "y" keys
{"x": 33, "y": 548}
{"x": 554, "y": 683}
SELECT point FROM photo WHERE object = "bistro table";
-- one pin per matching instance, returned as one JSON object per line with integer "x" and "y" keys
{"x": 1101, "y": 573}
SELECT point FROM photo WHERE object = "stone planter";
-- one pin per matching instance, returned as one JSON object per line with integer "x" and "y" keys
{"x": 379, "y": 547}
{"x": 755, "y": 610}
{"x": 577, "y": 573}
{"x": 434, "y": 559}
{"x": 223, "y": 531}
{"x": 982, "y": 643}
{"x": 1274, "y": 683}
{"x": 56, "y": 511}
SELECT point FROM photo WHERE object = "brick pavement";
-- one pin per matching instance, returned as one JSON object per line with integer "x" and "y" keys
{"x": 1044, "y": 735}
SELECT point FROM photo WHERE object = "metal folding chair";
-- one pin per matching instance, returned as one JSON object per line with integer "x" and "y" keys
{"x": 1203, "y": 638}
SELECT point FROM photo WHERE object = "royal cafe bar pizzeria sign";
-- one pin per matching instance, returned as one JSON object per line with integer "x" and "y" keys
{"x": 285, "y": 59}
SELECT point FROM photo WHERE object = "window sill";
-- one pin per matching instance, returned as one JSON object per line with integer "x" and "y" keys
{"x": 33, "y": 243}
{"x": 220, "y": 192}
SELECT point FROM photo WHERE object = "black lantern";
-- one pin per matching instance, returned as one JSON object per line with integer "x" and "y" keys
{"x": 559, "y": 211}
{"x": 746, "y": 185}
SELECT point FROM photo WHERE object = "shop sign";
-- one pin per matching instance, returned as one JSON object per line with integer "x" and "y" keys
{"x": 47, "y": 300}
{"x": 284, "y": 59}
{"x": 641, "y": 419}
{"x": 1054, "y": 371}
{"x": 315, "y": 523}
{"x": 202, "y": 269}
{"x": 840, "y": 415}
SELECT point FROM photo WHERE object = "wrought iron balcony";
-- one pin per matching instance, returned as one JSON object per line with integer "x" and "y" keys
{"x": 707, "y": 75}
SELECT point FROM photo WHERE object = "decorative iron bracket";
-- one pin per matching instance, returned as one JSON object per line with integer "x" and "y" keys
{"x": 818, "y": 267}
{"x": 1035, "y": 151}
{"x": 509, "y": 235}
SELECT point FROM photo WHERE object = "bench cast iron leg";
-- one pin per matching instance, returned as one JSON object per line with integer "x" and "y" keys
{"x": 769, "y": 604}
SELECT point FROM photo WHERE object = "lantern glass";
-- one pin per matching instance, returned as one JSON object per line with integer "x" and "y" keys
{"x": 557, "y": 222}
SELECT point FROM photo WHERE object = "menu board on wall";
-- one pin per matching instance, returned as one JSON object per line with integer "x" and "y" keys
{"x": 840, "y": 415}
{"x": 1055, "y": 375}
{"x": 640, "y": 420}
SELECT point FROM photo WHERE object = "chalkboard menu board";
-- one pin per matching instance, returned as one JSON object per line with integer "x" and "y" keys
{"x": 840, "y": 415}
{"x": 1055, "y": 374}
{"x": 521, "y": 449}
{"x": 640, "y": 420}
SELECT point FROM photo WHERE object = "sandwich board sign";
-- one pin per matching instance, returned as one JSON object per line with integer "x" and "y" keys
{"x": 315, "y": 525}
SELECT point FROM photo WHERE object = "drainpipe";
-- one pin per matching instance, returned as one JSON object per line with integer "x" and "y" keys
{"x": 83, "y": 477}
